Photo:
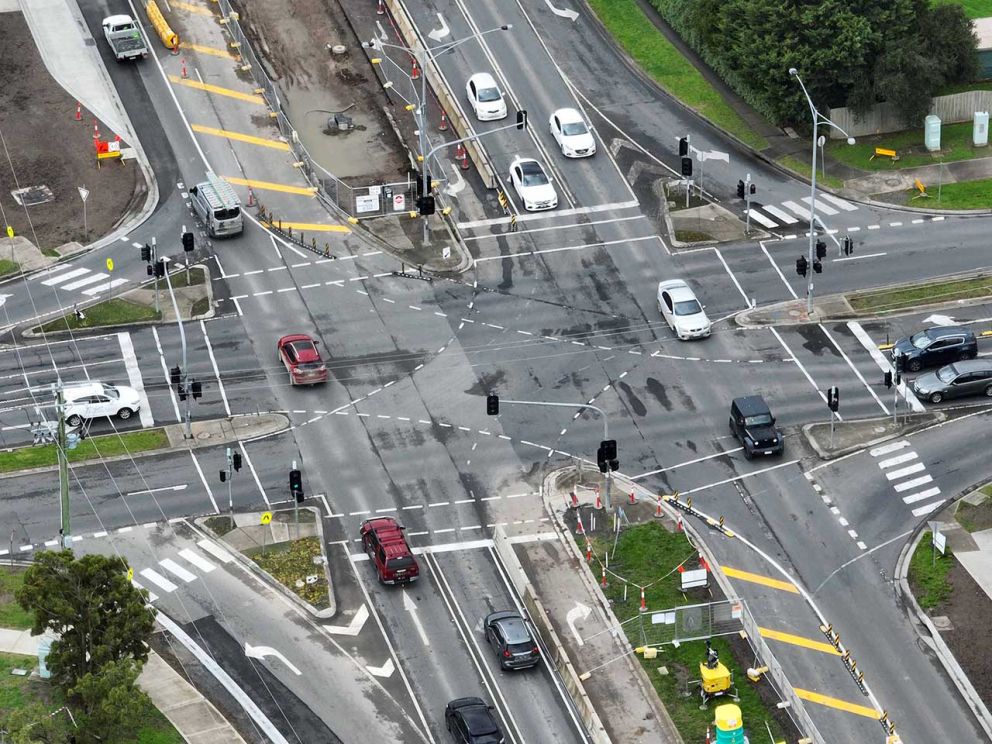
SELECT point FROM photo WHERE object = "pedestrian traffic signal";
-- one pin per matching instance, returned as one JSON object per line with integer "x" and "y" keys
{"x": 606, "y": 455}
{"x": 817, "y": 266}
{"x": 492, "y": 405}
{"x": 522, "y": 119}
{"x": 752, "y": 189}
{"x": 887, "y": 378}
{"x": 821, "y": 249}
{"x": 802, "y": 265}
{"x": 740, "y": 189}
{"x": 146, "y": 252}
{"x": 159, "y": 268}
{"x": 223, "y": 476}
{"x": 296, "y": 485}
{"x": 196, "y": 388}
{"x": 833, "y": 398}
{"x": 182, "y": 391}
{"x": 848, "y": 245}
{"x": 686, "y": 167}
{"x": 188, "y": 242}
{"x": 236, "y": 460}
{"x": 683, "y": 147}
{"x": 175, "y": 375}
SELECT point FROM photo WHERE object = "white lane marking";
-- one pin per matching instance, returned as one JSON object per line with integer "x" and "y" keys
{"x": 907, "y": 485}
{"x": 165, "y": 373}
{"x": 897, "y": 460}
{"x": 354, "y": 627}
{"x": 203, "y": 480}
{"x": 916, "y": 467}
{"x": 579, "y": 612}
{"x": 49, "y": 272}
{"x": 197, "y": 560}
{"x": 855, "y": 258}
{"x": 213, "y": 362}
{"x": 254, "y": 474}
{"x": 801, "y": 211}
{"x": 181, "y": 487}
{"x": 920, "y": 496}
{"x": 439, "y": 33}
{"x": 781, "y": 214}
{"x": 802, "y": 369}
{"x": 740, "y": 477}
{"x": 104, "y": 287}
{"x": 571, "y": 226}
{"x": 928, "y": 508}
{"x": 845, "y": 205}
{"x": 411, "y": 608}
{"x": 134, "y": 378}
{"x": 562, "y": 13}
{"x": 747, "y": 302}
{"x": 176, "y": 570}
{"x": 582, "y": 246}
{"x": 760, "y": 218}
{"x": 550, "y": 214}
{"x": 260, "y": 652}
{"x": 857, "y": 372}
{"x": 58, "y": 279}
{"x": 84, "y": 281}
{"x": 887, "y": 448}
{"x": 386, "y": 670}
{"x": 158, "y": 579}
{"x": 683, "y": 464}
{"x": 215, "y": 550}
{"x": 884, "y": 364}
{"x": 777, "y": 269}
{"x": 821, "y": 208}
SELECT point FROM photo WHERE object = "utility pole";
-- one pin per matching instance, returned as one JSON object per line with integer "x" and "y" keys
{"x": 63, "y": 457}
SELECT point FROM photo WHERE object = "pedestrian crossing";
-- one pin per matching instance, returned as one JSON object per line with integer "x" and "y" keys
{"x": 164, "y": 577}
{"x": 790, "y": 212}
{"x": 69, "y": 278}
{"x": 908, "y": 477}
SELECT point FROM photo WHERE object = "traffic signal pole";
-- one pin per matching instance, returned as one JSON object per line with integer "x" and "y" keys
{"x": 184, "y": 380}
{"x": 63, "y": 465}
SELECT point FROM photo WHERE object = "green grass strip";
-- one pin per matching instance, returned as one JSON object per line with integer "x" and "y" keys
{"x": 8, "y": 267}
{"x": 955, "y": 144}
{"x": 907, "y": 296}
{"x": 928, "y": 571}
{"x": 972, "y": 8}
{"x": 11, "y": 614}
{"x": 964, "y": 195}
{"x": 92, "y": 448}
{"x": 673, "y": 72}
{"x": 106, "y": 313}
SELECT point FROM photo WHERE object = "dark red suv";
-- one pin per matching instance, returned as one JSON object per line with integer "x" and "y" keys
{"x": 386, "y": 546}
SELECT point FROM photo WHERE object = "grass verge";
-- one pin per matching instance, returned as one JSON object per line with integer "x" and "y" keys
{"x": 972, "y": 8}
{"x": 928, "y": 575}
{"x": 107, "y": 445}
{"x": 106, "y": 313}
{"x": 975, "y": 517}
{"x": 955, "y": 144}
{"x": 178, "y": 280}
{"x": 8, "y": 267}
{"x": 801, "y": 168}
{"x": 963, "y": 195}
{"x": 666, "y": 65}
{"x": 644, "y": 554}
{"x": 911, "y": 295}
{"x": 11, "y": 614}
{"x": 290, "y": 563}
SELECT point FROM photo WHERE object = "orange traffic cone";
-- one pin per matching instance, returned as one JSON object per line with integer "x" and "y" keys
{"x": 444, "y": 122}
{"x": 381, "y": 9}
{"x": 415, "y": 71}
{"x": 185, "y": 74}
{"x": 644, "y": 604}
{"x": 633, "y": 498}
{"x": 599, "y": 501}
{"x": 79, "y": 111}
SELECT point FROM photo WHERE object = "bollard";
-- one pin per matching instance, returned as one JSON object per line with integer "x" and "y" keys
{"x": 313, "y": 243}
{"x": 575, "y": 500}
{"x": 588, "y": 552}
{"x": 633, "y": 498}
{"x": 327, "y": 249}
{"x": 603, "y": 584}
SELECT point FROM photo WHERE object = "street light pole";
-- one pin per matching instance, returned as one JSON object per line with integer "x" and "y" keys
{"x": 184, "y": 381}
{"x": 63, "y": 455}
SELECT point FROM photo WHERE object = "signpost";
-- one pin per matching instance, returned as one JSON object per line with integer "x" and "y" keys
{"x": 110, "y": 284}
{"x": 938, "y": 541}
{"x": 264, "y": 520}
{"x": 83, "y": 193}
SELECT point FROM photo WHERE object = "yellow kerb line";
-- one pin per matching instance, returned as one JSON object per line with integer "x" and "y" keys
{"x": 212, "y": 51}
{"x": 795, "y": 640}
{"x": 190, "y": 8}
{"x": 249, "y": 97}
{"x": 754, "y": 578}
{"x": 832, "y": 702}
{"x": 313, "y": 227}
{"x": 270, "y": 186}
{"x": 261, "y": 141}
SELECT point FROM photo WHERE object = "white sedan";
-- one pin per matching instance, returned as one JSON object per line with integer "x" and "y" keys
{"x": 485, "y": 97}
{"x": 532, "y": 185}
{"x": 682, "y": 311}
{"x": 572, "y": 133}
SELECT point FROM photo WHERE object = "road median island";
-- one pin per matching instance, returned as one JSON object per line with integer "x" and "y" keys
{"x": 913, "y": 297}
{"x": 92, "y": 448}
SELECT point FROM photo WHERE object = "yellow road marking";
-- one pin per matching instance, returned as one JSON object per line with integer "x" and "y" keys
{"x": 885, "y": 347}
{"x": 785, "y": 586}
{"x": 987, "y": 333}
{"x": 249, "y": 97}
{"x": 832, "y": 702}
{"x": 313, "y": 227}
{"x": 270, "y": 186}
{"x": 795, "y": 640}
{"x": 190, "y": 8}
{"x": 262, "y": 141}
{"x": 213, "y": 51}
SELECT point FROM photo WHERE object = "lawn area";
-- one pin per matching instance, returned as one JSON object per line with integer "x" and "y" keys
{"x": 663, "y": 62}
{"x": 972, "y": 8}
{"x": 8, "y": 267}
{"x": 178, "y": 279}
{"x": 955, "y": 144}
{"x": 802, "y": 168}
{"x": 11, "y": 614}
{"x": 964, "y": 195}
{"x": 291, "y": 562}
{"x": 911, "y": 295}
{"x": 928, "y": 576}
{"x": 107, "y": 445}
{"x": 106, "y": 313}
{"x": 644, "y": 554}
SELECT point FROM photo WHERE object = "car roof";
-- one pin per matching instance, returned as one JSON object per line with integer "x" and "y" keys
{"x": 528, "y": 166}
{"x": 678, "y": 289}
{"x": 82, "y": 389}
{"x": 484, "y": 80}
{"x": 973, "y": 365}
{"x": 478, "y": 718}
{"x": 512, "y": 625}
{"x": 945, "y": 331}
{"x": 751, "y": 405}
{"x": 568, "y": 115}
{"x": 382, "y": 524}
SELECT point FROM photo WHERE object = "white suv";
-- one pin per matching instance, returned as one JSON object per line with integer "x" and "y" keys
{"x": 89, "y": 400}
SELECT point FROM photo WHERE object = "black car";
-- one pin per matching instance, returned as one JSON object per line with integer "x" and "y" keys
{"x": 752, "y": 423}
{"x": 511, "y": 639}
{"x": 471, "y": 721}
{"x": 937, "y": 345}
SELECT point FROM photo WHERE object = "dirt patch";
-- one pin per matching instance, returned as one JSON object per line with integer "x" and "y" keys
{"x": 968, "y": 609}
{"x": 46, "y": 146}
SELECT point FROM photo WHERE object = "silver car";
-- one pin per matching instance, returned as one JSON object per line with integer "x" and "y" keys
{"x": 968, "y": 377}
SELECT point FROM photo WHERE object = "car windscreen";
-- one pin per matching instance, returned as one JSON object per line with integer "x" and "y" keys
{"x": 400, "y": 563}
{"x": 488, "y": 95}
{"x": 111, "y": 392}
{"x": 227, "y": 214}
{"x": 920, "y": 340}
{"x": 762, "y": 419}
{"x": 535, "y": 178}
{"x": 688, "y": 307}
{"x": 947, "y": 374}
{"x": 572, "y": 128}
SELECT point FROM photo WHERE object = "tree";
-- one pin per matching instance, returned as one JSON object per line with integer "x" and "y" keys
{"x": 36, "y": 724}
{"x": 109, "y": 705}
{"x": 91, "y": 605}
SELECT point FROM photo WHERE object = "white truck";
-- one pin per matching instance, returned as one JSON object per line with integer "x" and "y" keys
{"x": 124, "y": 37}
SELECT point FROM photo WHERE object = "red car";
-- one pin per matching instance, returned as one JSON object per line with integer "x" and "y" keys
{"x": 386, "y": 546}
{"x": 299, "y": 354}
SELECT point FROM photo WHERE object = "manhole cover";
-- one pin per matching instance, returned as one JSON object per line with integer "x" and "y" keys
{"x": 32, "y": 195}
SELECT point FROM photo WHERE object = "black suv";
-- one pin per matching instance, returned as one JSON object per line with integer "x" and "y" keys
{"x": 937, "y": 345}
{"x": 510, "y": 638}
{"x": 752, "y": 423}
{"x": 471, "y": 721}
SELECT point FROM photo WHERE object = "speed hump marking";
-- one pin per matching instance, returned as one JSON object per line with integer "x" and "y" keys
{"x": 266, "y": 517}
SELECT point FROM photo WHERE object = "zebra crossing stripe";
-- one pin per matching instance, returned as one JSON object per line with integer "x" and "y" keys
{"x": 105, "y": 286}
{"x": 175, "y": 569}
{"x": 215, "y": 550}
{"x": 760, "y": 218}
{"x": 927, "y": 509}
{"x": 201, "y": 563}
{"x": 780, "y": 214}
{"x": 801, "y": 211}
{"x": 158, "y": 579}
{"x": 897, "y": 460}
{"x": 84, "y": 281}
{"x": 845, "y": 205}
{"x": 820, "y": 206}
{"x": 916, "y": 467}
{"x": 887, "y": 448}
{"x": 921, "y": 495}
{"x": 905, "y": 486}
{"x": 64, "y": 277}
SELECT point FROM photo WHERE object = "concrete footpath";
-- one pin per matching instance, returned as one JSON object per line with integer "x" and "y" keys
{"x": 195, "y": 717}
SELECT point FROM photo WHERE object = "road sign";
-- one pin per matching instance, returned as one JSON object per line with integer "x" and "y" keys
{"x": 939, "y": 540}
{"x": 10, "y": 231}
{"x": 110, "y": 264}
{"x": 366, "y": 204}
{"x": 266, "y": 517}
{"x": 130, "y": 574}
{"x": 83, "y": 192}
{"x": 399, "y": 202}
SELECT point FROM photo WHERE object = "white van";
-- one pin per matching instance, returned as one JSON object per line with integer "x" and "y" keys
{"x": 215, "y": 202}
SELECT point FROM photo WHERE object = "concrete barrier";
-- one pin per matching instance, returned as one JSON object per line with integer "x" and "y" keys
{"x": 523, "y": 587}
{"x": 161, "y": 26}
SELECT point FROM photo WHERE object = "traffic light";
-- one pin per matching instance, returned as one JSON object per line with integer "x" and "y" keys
{"x": 160, "y": 268}
{"x": 740, "y": 189}
{"x": 686, "y": 167}
{"x": 236, "y": 460}
{"x": 296, "y": 485}
{"x": 196, "y": 389}
{"x": 821, "y": 249}
{"x": 802, "y": 265}
{"x": 887, "y": 378}
{"x": 833, "y": 398}
{"x": 817, "y": 266}
{"x": 150, "y": 270}
{"x": 420, "y": 186}
{"x": 683, "y": 147}
{"x": 426, "y": 205}
{"x": 606, "y": 455}
{"x": 752, "y": 189}
{"x": 848, "y": 245}
{"x": 188, "y": 242}
{"x": 492, "y": 405}
{"x": 182, "y": 392}
{"x": 146, "y": 252}
{"x": 175, "y": 375}
{"x": 223, "y": 476}
{"x": 522, "y": 119}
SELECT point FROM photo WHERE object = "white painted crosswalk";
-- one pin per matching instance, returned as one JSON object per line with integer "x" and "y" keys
{"x": 790, "y": 212}
{"x": 181, "y": 571}
{"x": 67, "y": 278}
{"x": 910, "y": 481}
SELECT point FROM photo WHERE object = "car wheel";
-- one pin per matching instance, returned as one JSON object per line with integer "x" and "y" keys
{"x": 936, "y": 397}
{"x": 74, "y": 420}
{"x": 988, "y": 391}
{"x": 914, "y": 365}
{"x": 124, "y": 414}
{"x": 748, "y": 454}
{"x": 965, "y": 355}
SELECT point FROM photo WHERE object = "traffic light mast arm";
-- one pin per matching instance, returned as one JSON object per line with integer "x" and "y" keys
{"x": 606, "y": 424}
{"x": 474, "y": 137}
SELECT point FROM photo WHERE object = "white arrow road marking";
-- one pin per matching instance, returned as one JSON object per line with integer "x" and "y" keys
{"x": 579, "y": 612}
{"x": 569, "y": 14}
{"x": 3, "y": 297}
{"x": 260, "y": 652}
{"x": 354, "y": 627}
{"x": 439, "y": 33}
{"x": 410, "y": 606}
{"x": 451, "y": 189}
{"x": 386, "y": 670}
{"x": 941, "y": 320}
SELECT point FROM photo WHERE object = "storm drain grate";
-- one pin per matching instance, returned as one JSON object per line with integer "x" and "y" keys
{"x": 32, "y": 195}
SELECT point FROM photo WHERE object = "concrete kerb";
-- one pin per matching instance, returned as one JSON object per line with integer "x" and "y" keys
{"x": 918, "y": 422}
{"x": 935, "y": 641}
{"x": 267, "y": 578}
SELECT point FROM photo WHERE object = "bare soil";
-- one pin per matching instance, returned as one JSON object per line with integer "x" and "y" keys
{"x": 45, "y": 146}
{"x": 968, "y": 610}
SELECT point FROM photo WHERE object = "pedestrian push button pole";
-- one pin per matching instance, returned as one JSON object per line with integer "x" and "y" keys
{"x": 833, "y": 403}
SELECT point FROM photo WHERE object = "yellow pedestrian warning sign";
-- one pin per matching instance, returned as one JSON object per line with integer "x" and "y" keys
{"x": 266, "y": 517}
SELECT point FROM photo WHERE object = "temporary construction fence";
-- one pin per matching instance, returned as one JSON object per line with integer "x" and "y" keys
{"x": 362, "y": 202}
{"x": 686, "y": 623}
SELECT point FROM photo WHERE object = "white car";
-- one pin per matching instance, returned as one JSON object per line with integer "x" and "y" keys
{"x": 89, "y": 400}
{"x": 682, "y": 311}
{"x": 572, "y": 133}
{"x": 485, "y": 97}
{"x": 533, "y": 185}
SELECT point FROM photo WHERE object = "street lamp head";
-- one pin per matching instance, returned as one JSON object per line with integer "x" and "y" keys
{"x": 794, "y": 72}
{"x": 850, "y": 140}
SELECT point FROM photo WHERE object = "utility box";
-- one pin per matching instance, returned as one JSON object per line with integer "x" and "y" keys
{"x": 980, "y": 133}
{"x": 44, "y": 648}
{"x": 931, "y": 133}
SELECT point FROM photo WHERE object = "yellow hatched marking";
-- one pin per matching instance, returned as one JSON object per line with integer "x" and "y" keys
{"x": 190, "y": 8}
{"x": 832, "y": 702}
{"x": 261, "y": 141}
{"x": 196, "y": 84}
{"x": 795, "y": 640}
{"x": 212, "y": 51}
{"x": 313, "y": 227}
{"x": 270, "y": 186}
{"x": 754, "y": 578}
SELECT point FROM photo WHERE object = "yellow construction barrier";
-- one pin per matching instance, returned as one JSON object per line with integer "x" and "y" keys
{"x": 161, "y": 26}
